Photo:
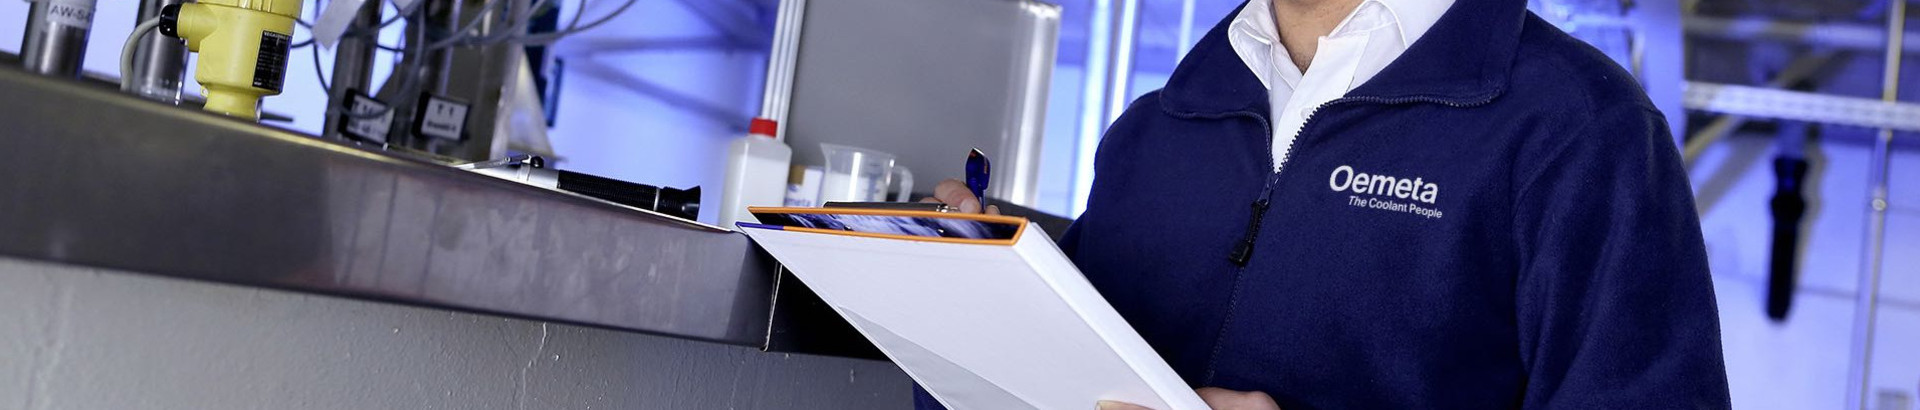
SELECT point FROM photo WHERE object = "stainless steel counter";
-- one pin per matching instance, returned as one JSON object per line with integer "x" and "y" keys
{"x": 96, "y": 178}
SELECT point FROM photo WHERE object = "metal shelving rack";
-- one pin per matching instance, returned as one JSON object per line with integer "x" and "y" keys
{"x": 1656, "y": 57}
{"x": 1886, "y": 114}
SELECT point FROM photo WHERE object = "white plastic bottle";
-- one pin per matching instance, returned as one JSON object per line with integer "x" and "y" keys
{"x": 756, "y": 173}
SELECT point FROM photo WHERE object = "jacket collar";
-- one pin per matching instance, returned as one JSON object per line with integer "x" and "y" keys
{"x": 1463, "y": 60}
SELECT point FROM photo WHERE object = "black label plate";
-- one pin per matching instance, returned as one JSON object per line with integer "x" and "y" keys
{"x": 270, "y": 70}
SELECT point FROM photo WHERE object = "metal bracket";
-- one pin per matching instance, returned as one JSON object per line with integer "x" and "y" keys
{"x": 1763, "y": 102}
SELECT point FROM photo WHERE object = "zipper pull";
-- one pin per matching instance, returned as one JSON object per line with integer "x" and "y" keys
{"x": 1243, "y": 252}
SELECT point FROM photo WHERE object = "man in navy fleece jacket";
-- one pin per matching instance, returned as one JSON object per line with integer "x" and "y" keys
{"x": 1491, "y": 215}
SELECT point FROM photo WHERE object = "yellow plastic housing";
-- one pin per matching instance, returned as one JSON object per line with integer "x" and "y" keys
{"x": 228, "y": 35}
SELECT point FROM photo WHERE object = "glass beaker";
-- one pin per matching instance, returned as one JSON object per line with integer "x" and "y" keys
{"x": 861, "y": 175}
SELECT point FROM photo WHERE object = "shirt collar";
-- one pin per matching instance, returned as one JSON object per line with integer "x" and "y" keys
{"x": 1416, "y": 16}
{"x": 1253, "y": 31}
{"x": 1462, "y": 59}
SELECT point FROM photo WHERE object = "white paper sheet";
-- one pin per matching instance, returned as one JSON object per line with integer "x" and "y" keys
{"x": 334, "y": 20}
{"x": 984, "y": 326}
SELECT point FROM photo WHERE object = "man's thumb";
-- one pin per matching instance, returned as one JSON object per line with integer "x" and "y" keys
{"x": 1114, "y": 405}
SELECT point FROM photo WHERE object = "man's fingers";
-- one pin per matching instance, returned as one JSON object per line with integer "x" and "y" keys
{"x": 956, "y": 194}
{"x": 953, "y": 192}
{"x": 1223, "y": 399}
{"x": 1114, "y": 405}
{"x": 969, "y": 205}
{"x": 1214, "y": 392}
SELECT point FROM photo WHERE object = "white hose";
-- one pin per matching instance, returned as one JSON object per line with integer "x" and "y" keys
{"x": 550, "y": 38}
{"x": 126, "y": 52}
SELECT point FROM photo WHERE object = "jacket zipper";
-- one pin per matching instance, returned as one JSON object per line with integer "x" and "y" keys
{"x": 1243, "y": 251}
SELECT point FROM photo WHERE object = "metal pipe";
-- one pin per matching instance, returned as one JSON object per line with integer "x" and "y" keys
{"x": 1802, "y": 106}
{"x": 1186, "y": 31}
{"x": 1041, "y": 26}
{"x": 1109, "y": 74}
{"x": 1658, "y": 56}
{"x": 1713, "y": 132}
{"x": 159, "y": 62}
{"x": 1798, "y": 70}
{"x": 780, "y": 64}
{"x": 588, "y": 47}
{"x": 1866, "y": 306}
{"x": 1092, "y": 101}
{"x": 453, "y": 20}
{"x": 1841, "y": 35}
{"x": 1120, "y": 82}
{"x": 737, "y": 28}
{"x": 352, "y": 65}
{"x": 410, "y": 77}
{"x": 56, "y": 39}
{"x": 687, "y": 102}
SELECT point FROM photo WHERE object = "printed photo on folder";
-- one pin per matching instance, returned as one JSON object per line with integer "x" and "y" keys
{"x": 1013, "y": 325}
{"x": 924, "y": 224}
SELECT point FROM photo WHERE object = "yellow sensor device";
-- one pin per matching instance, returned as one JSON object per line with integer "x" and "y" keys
{"x": 243, "y": 47}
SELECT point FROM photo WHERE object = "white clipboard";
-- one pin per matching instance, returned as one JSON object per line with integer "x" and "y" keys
{"x": 982, "y": 324}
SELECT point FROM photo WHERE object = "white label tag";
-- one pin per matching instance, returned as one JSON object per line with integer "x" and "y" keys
{"x": 334, "y": 20}
{"x": 374, "y": 128}
{"x": 805, "y": 194}
{"x": 76, "y": 13}
{"x": 443, "y": 118}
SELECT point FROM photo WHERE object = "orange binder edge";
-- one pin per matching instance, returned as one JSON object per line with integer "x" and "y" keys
{"x": 1016, "y": 221}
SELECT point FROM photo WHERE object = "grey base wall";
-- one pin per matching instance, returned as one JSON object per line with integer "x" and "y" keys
{"x": 81, "y": 338}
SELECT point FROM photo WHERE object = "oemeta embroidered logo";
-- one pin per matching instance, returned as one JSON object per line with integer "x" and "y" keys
{"x": 1386, "y": 192}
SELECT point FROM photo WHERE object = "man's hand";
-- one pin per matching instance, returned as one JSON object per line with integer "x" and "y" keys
{"x": 1217, "y": 398}
{"x": 1223, "y": 399}
{"x": 955, "y": 193}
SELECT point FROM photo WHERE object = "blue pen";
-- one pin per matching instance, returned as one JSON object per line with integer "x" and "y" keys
{"x": 977, "y": 171}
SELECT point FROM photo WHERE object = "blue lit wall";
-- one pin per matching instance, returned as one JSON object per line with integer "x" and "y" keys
{"x": 663, "y": 112}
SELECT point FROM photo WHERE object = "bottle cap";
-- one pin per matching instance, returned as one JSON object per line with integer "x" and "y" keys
{"x": 763, "y": 126}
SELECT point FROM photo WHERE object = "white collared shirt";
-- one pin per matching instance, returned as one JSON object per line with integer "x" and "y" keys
{"x": 1371, "y": 37}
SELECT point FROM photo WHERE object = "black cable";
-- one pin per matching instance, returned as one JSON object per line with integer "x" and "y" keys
{"x": 411, "y": 54}
{"x": 533, "y": 12}
{"x": 399, "y": 14}
{"x": 309, "y": 41}
{"x": 455, "y": 38}
{"x": 550, "y": 38}
{"x": 320, "y": 74}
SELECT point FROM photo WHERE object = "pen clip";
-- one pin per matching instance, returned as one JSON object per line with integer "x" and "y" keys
{"x": 978, "y": 172}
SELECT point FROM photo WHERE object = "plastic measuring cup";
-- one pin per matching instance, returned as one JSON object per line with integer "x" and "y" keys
{"x": 861, "y": 175}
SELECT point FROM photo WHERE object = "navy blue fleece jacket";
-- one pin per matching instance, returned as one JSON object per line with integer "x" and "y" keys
{"x": 1499, "y": 219}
